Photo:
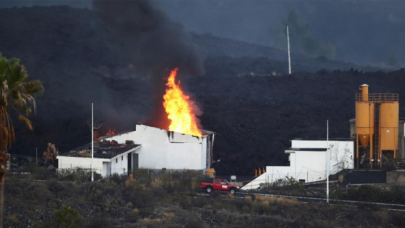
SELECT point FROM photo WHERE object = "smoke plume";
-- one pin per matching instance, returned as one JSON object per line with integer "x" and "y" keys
{"x": 155, "y": 43}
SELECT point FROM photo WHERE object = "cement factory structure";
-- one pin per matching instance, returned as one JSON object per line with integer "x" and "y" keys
{"x": 377, "y": 133}
{"x": 376, "y": 137}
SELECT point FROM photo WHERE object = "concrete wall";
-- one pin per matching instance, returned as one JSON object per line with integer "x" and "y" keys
{"x": 65, "y": 162}
{"x": 165, "y": 149}
{"x": 396, "y": 177}
{"x": 106, "y": 169}
{"x": 103, "y": 166}
{"x": 119, "y": 164}
{"x": 341, "y": 153}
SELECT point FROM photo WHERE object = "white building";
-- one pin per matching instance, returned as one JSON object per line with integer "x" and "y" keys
{"x": 146, "y": 147}
{"x": 308, "y": 162}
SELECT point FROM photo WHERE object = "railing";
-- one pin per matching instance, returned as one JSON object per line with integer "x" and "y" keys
{"x": 379, "y": 97}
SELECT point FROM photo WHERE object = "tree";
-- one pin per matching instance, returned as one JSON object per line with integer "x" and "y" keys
{"x": 301, "y": 39}
{"x": 17, "y": 94}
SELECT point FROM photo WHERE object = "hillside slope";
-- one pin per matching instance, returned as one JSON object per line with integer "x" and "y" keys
{"x": 80, "y": 61}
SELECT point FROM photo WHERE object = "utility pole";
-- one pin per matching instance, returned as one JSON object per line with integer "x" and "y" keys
{"x": 327, "y": 161}
{"x": 289, "y": 55}
{"x": 92, "y": 143}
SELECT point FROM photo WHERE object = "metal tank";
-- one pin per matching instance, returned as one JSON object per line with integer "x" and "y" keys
{"x": 364, "y": 122}
{"x": 389, "y": 116}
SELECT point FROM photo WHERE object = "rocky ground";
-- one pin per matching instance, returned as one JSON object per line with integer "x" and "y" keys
{"x": 156, "y": 202}
{"x": 245, "y": 95}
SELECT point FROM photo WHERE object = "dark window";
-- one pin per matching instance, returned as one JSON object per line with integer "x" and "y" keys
{"x": 116, "y": 160}
{"x": 217, "y": 182}
{"x": 223, "y": 182}
{"x": 122, "y": 158}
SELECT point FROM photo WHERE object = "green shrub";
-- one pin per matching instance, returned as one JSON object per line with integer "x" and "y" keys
{"x": 288, "y": 183}
{"x": 54, "y": 185}
{"x": 185, "y": 203}
{"x": 67, "y": 217}
{"x": 159, "y": 192}
{"x": 199, "y": 202}
{"x": 133, "y": 216}
{"x": 97, "y": 222}
{"x": 260, "y": 208}
{"x": 142, "y": 176}
{"x": 398, "y": 220}
{"x": 118, "y": 179}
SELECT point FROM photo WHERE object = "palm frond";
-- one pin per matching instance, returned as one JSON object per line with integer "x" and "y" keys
{"x": 34, "y": 87}
{"x": 28, "y": 122}
{"x": 16, "y": 93}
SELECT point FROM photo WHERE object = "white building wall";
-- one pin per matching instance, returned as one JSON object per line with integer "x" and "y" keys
{"x": 203, "y": 153}
{"x": 165, "y": 149}
{"x": 65, "y": 162}
{"x": 311, "y": 165}
{"x": 106, "y": 169}
{"x": 119, "y": 164}
{"x": 341, "y": 152}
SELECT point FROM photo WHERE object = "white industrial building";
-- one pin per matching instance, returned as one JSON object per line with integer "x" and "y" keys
{"x": 308, "y": 162}
{"x": 148, "y": 148}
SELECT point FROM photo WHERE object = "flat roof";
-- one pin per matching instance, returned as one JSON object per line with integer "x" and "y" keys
{"x": 204, "y": 132}
{"x": 101, "y": 150}
{"x": 354, "y": 119}
{"x": 308, "y": 149}
{"x": 324, "y": 139}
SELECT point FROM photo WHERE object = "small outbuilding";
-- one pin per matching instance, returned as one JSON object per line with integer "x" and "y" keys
{"x": 308, "y": 162}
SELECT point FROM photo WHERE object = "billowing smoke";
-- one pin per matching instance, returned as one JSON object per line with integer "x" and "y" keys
{"x": 155, "y": 43}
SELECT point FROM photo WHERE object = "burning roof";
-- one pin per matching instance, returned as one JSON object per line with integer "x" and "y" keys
{"x": 105, "y": 149}
{"x": 181, "y": 111}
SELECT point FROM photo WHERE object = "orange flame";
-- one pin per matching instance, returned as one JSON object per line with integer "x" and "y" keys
{"x": 179, "y": 108}
{"x": 110, "y": 132}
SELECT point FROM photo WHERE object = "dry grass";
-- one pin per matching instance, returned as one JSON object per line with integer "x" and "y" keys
{"x": 271, "y": 199}
{"x": 151, "y": 222}
{"x": 13, "y": 217}
{"x": 383, "y": 215}
{"x": 169, "y": 215}
{"x": 161, "y": 221}
{"x": 195, "y": 184}
{"x": 249, "y": 198}
{"x": 157, "y": 182}
{"x": 230, "y": 196}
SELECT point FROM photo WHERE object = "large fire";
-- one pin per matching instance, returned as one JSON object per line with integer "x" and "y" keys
{"x": 179, "y": 108}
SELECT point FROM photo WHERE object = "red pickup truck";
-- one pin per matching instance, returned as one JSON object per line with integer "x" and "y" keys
{"x": 219, "y": 185}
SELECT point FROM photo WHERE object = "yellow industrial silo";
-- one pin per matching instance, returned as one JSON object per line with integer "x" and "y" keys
{"x": 383, "y": 130}
{"x": 364, "y": 122}
{"x": 389, "y": 116}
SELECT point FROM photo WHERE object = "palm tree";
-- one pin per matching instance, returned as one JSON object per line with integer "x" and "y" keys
{"x": 16, "y": 93}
